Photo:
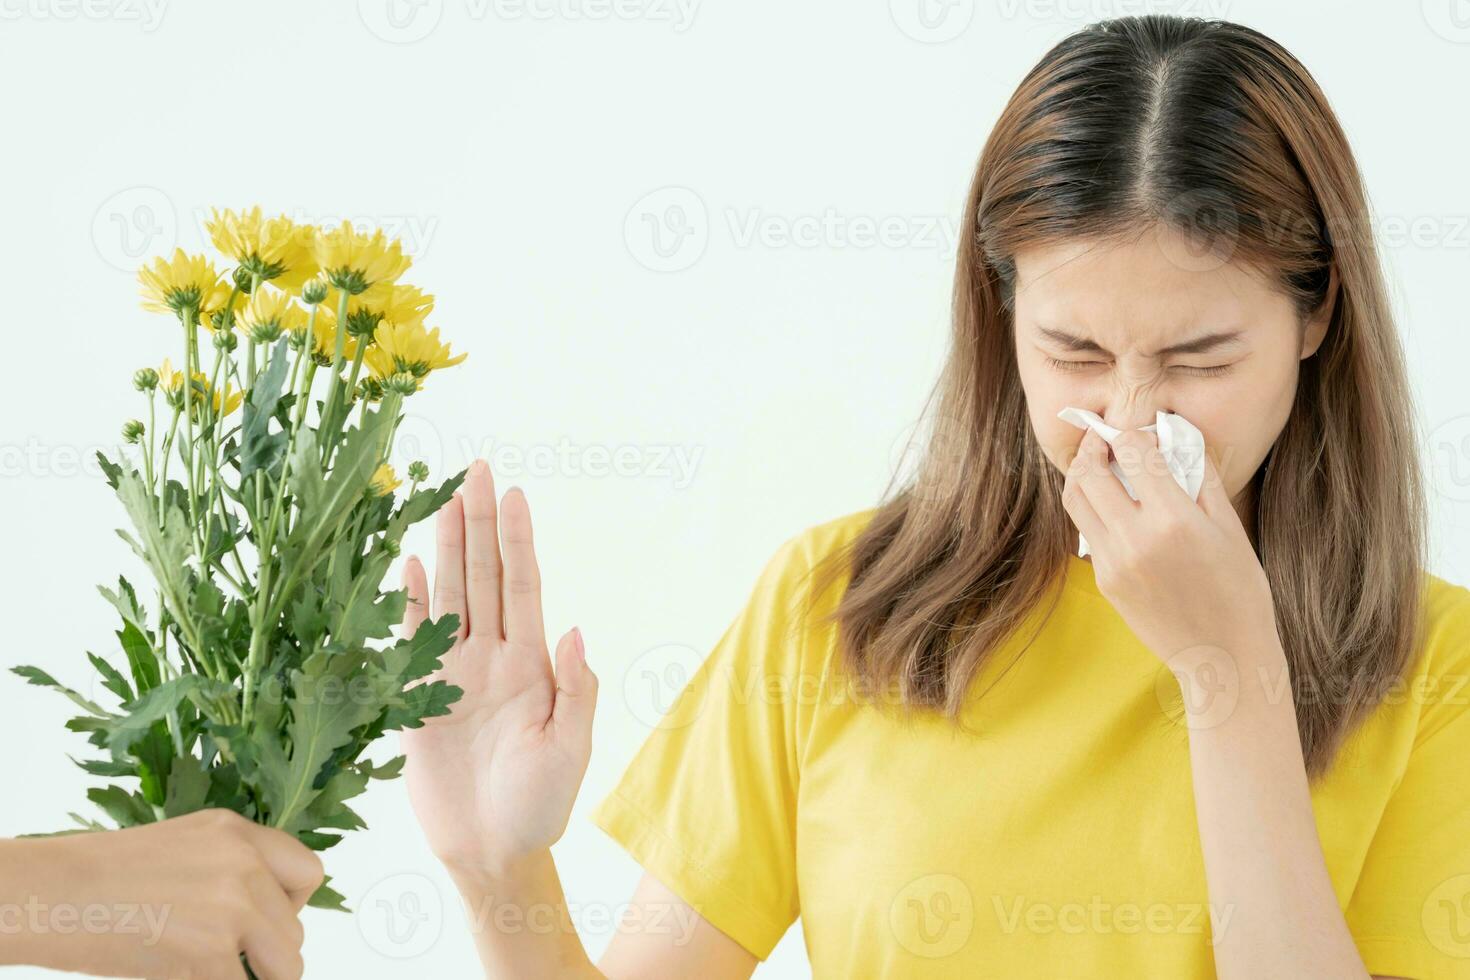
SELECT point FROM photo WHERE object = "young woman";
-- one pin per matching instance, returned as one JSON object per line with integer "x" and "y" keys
{"x": 1230, "y": 742}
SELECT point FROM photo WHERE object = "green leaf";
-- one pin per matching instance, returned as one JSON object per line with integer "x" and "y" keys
{"x": 328, "y": 898}
{"x": 324, "y": 713}
{"x": 423, "y": 504}
{"x": 188, "y": 787}
{"x": 127, "y": 809}
{"x": 156, "y": 705}
{"x": 422, "y": 702}
{"x": 110, "y": 768}
{"x": 38, "y": 677}
{"x": 141, "y": 659}
{"x": 261, "y": 449}
{"x": 391, "y": 769}
{"x": 111, "y": 679}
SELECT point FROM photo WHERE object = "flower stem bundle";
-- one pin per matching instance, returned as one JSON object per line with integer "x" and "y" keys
{"x": 264, "y": 506}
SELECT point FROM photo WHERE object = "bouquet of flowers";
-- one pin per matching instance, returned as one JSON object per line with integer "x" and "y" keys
{"x": 260, "y": 671}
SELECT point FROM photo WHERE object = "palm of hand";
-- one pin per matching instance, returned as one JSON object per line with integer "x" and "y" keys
{"x": 495, "y": 780}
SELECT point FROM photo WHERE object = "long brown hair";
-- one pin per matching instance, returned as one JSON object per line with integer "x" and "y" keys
{"x": 1216, "y": 130}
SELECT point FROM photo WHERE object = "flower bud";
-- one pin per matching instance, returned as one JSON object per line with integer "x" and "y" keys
{"x": 226, "y": 340}
{"x": 265, "y": 333}
{"x": 145, "y": 379}
{"x": 392, "y": 548}
{"x": 313, "y": 292}
{"x": 418, "y": 471}
{"x": 132, "y": 431}
{"x": 243, "y": 278}
{"x": 402, "y": 383}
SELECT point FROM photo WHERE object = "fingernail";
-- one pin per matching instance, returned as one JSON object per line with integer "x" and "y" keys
{"x": 581, "y": 647}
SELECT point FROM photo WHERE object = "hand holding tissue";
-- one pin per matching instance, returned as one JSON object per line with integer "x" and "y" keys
{"x": 1180, "y": 443}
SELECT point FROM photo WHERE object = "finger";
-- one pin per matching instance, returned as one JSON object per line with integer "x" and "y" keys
{"x": 449, "y": 597}
{"x": 482, "y": 552}
{"x": 416, "y": 581}
{"x": 576, "y": 692}
{"x": 273, "y": 942}
{"x": 1098, "y": 482}
{"x": 523, "y": 624}
{"x": 294, "y": 865}
{"x": 1138, "y": 456}
{"x": 1214, "y": 498}
{"x": 1077, "y": 506}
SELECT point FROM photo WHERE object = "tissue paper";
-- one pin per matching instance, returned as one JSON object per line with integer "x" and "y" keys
{"x": 1181, "y": 444}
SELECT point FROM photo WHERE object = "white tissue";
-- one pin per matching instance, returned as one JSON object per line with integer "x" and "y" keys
{"x": 1181, "y": 444}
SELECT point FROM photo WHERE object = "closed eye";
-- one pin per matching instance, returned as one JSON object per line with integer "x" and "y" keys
{"x": 1075, "y": 366}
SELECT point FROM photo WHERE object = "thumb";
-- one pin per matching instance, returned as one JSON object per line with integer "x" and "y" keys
{"x": 576, "y": 691}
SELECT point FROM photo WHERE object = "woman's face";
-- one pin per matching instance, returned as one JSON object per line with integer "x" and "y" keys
{"x": 1126, "y": 330}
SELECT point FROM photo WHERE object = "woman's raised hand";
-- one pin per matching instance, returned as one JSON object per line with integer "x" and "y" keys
{"x": 493, "y": 782}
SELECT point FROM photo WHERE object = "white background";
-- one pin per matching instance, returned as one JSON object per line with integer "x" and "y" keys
{"x": 578, "y": 184}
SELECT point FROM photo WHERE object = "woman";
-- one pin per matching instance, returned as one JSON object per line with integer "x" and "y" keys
{"x": 1230, "y": 743}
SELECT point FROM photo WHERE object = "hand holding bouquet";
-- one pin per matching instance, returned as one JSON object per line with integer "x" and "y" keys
{"x": 258, "y": 672}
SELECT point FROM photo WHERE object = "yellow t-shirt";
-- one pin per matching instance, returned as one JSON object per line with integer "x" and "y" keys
{"x": 1060, "y": 842}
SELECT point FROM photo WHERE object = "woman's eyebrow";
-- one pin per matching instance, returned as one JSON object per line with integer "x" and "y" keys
{"x": 1198, "y": 345}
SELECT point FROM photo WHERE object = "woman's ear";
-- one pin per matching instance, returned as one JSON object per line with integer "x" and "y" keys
{"x": 1316, "y": 327}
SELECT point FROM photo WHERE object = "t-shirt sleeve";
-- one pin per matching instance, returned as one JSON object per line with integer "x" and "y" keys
{"x": 708, "y": 804}
{"x": 1410, "y": 911}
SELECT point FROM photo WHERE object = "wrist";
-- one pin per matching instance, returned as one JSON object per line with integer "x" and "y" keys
{"x": 497, "y": 875}
{"x": 29, "y": 906}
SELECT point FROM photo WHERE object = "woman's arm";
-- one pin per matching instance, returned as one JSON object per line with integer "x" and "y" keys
{"x": 493, "y": 782}
{"x": 522, "y": 929}
{"x": 1186, "y": 579}
{"x": 1263, "y": 860}
{"x": 183, "y": 897}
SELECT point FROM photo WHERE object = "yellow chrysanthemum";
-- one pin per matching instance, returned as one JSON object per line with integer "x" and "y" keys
{"x": 278, "y": 250}
{"x": 352, "y": 260}
{"x": 324, "y": 340}
{"x": 391, "y": 302}
{"x": 270, "y": 314}
{"x": 385, "y": 481}
{"x": 171, "y": 383}
{"x": 408, "y": 349}
{"x": 182, "y": 282}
